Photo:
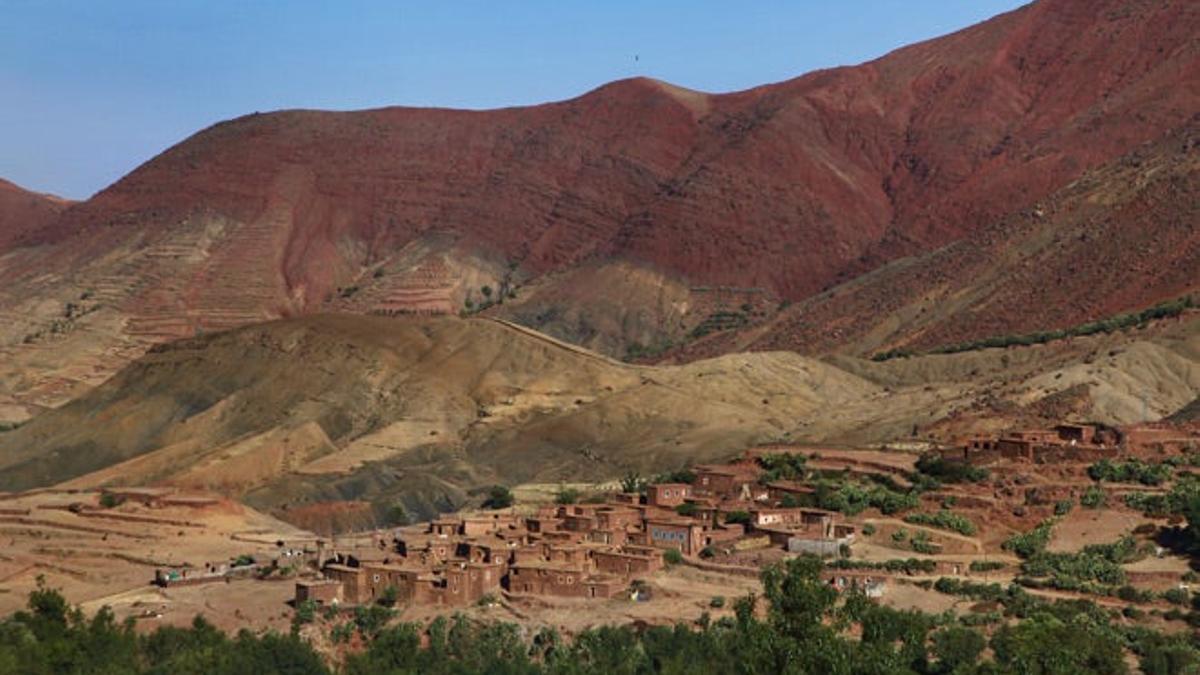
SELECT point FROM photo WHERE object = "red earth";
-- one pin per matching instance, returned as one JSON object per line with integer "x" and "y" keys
{"x": 791, "y": 188}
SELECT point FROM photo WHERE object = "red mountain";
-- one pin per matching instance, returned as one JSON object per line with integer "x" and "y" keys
{"x": 625, "y": 215}
{"x": 23, "y": 213}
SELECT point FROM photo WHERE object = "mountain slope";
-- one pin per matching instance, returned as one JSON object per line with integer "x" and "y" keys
{"x": 23, "y": 213}
{"x": 326, "y": 408}
{"x": 684, "y": 206}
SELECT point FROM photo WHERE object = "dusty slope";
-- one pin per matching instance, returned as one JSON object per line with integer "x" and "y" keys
{"x": 338, "y": 408}
{"x": 23, "y": 213}
{"x": 784, "y": 189}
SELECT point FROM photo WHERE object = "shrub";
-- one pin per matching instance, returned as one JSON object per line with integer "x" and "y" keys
{"x": 708, "y": 552}
{"x": 673, "y": 556}
{"x": 687, "y": 509}
{"x": 868, "y": 529}
{"x": 1063, "y": 507}
{"x": 1032, "y": 542}
{"x": 737, "y": 518}
{"x": 1093, "y": 497}
{"x": 949, "y": 471}
{"x": 566, "y": 496}
{"x": 945, "y": 520}
{"x": 396, "y": 515}
{"x": 717, "y": 602}
{"x": 1176, "y": 596}
{"x": 389, "y": 596}
{"x": 109, "y": 500}
{"x": 499, "y": 497}
{"x": 986, "y": 565}
{"x": 900, "y": 535}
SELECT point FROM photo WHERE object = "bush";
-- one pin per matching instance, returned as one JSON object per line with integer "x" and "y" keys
{"x": 1093, "y": 497}
{"x": 688, "y": 509}
{"x": 708, "y": 552}
{"x": 109, "y": 500}
{"x": 737, "y": 518}
{"x": 986, "y": 565}
{"x": 1032, "y": 542}
{"x": 1063, "y": 507}
{"x": 717, "y": 602}
{"x": 1176, "y": 596}
{"x": 566, "y": 496}
{"x": 396, "y": 515}
{"x": 1133, "y": 471}
{"x": 932, "y": 464}
{"x": 673, "y": 556}
{"x": 389, "y": 596}
{"x": 900, "y": 535}
{"x": 499, "y": 497}
{"x": 945, "y": 520}
{"x": 868, "y": 529}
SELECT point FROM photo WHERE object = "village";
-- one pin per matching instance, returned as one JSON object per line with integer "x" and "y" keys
{"x": 768, "y": 503}
{"x": 887, "y": 521}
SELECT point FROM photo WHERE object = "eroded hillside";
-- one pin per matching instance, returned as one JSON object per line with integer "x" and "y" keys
{"x": 376, "y": 410}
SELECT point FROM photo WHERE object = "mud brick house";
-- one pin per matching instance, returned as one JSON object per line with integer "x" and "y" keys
{"x": 324, "y": 591}
{"x": 557, "y": 579}
{"x": 628, "y": 560}
{"x": 668, "y": 495}
{"x": 682, "y": 534}
{"x": 728, "y": 481}
{"x": 1071, "y": 442}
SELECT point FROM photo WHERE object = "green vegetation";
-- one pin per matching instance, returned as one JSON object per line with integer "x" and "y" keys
{"x": 1063, "y": 507}
{"x": 1030, "y": 543}
{"x": 1093, "y": 497}
{"x": 920, "y": 543}
{"x": 1072, "y": 571}
{"x": 986, "y": 565}
{"x": 10, "y": 426}
{"x": 673, "y": 556}
{"x": 717, "y": 602}
{"x": 868, "y": 529}
{"x": 678, "y": 476}
{"x": 719, "y": 321}
{"x": 1133, "y": 471}
{"x": 499, "y": 497}
{"x": 389, "y": 596}
{"x": 905, "y": 565}
{"x": 944, "y": 470}
{"x": 1118, "y": 322}
{"x": 803, "y": 630}
{"x": 636, "y": 351}
{"x": 632, "y": 481}
{"x": 737, "y": 518}
{"x": 396, "y": 515}
{"x": 687, "y": 509}
{"x": 853, "y": 498}
{"x": 943, "y": 520}
{"x": 566, "y": 495}
{"x": 788, "y": 466}
{"x": 109, "y": 500}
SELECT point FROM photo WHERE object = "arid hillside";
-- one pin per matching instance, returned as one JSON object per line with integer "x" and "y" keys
{"x": 1121, "y": 236}
{"x": 626, "y": 220}
{"x": 360, "y": 410}
{"x": 23, "y": 213}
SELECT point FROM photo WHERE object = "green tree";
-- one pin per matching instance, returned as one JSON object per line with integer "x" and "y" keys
{"x": 499, "y": 497}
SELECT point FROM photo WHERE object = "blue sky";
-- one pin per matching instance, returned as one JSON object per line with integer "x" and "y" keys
{"x": 92, "y": 88}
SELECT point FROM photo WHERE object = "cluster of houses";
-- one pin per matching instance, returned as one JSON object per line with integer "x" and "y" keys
{"x": 1078, "y": 442}
{"x": 578, "y": 550}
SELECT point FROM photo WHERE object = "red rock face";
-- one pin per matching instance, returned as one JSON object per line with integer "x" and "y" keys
{"x": 23, "y": 213}
{"x": 790, "y": 187}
